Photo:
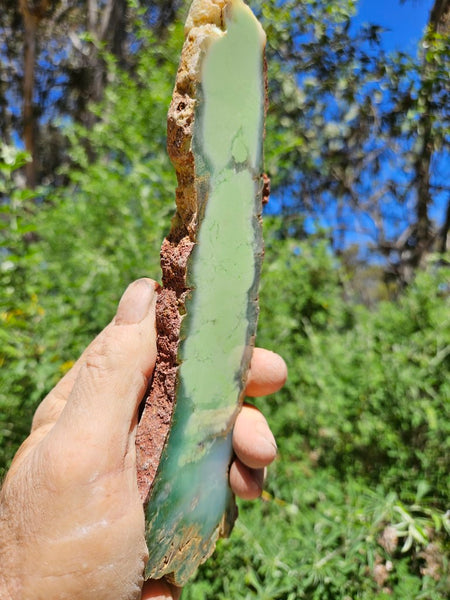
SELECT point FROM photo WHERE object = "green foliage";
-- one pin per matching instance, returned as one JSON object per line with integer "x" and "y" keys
{"x": 380, "y": 391}
{"x": 68, "y": 253}
{"x": 20, "y": 310}
{"x": 329, "y": 541}
{"x": 372, "y": 386}
{"x": 355, "y": 503}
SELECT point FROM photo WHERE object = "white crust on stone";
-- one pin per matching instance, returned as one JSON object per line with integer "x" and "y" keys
{"x": 205, "y": 12}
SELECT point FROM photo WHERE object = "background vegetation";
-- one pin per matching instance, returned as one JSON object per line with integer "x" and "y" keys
{"x": 356, "y": 505}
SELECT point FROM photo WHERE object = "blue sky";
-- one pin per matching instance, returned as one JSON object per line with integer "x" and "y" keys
{"x": 404, "y": 25}
{"x": 404, "y": 22}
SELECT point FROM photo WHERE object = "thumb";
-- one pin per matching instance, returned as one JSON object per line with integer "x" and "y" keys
{"x": 113, "y": 375}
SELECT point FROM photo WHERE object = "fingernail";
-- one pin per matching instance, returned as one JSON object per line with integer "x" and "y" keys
{"x": 266, "y": 436}
{"x": 259, "y": 476}
{"x": 135, "y": 302}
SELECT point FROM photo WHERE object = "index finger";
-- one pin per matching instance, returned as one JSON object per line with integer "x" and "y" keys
{"x": 267, "y": 374}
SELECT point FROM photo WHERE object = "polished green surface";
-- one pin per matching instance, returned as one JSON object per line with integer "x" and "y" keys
{"x": 232, "y": 84}
{"x": 191, "y": 491}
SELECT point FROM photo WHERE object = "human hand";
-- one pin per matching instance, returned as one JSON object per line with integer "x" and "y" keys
{"x": 71, "y": 520}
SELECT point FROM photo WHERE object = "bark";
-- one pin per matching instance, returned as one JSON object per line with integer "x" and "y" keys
{"x": 423, "y": 235}
{"x": 32, "y": 15}
{"x": 445, "y": 230}
{"x": 107, "y": 25}
{"x": 423, "y": 230}
{"x": 440, "y": 16}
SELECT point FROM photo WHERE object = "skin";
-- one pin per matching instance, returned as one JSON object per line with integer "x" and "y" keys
{"x": 71, "y": 521}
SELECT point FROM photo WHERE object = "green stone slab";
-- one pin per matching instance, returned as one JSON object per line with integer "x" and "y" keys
{"x": 190, "y": 503}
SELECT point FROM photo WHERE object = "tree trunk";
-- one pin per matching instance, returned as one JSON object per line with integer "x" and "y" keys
{"x": 423, "y": 233}
{"x": 107, "y": 26}
{"x": 423, "y": 230}
{"x": 30, "y": 23}
{"x": 445, "y": 230}
{"x": 440, "y": 16}
{"x": 440, "y": 22}
{"x": 32, "y": 15}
